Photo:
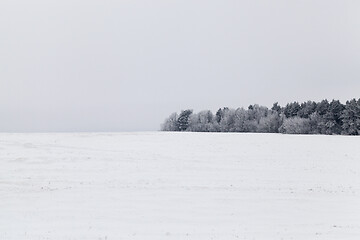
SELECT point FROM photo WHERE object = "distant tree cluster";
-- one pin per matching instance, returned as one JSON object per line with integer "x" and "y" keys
{"x": 295, "y": 118}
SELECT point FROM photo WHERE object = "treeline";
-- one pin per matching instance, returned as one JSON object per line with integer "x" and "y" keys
{"x": 295, "y": 118}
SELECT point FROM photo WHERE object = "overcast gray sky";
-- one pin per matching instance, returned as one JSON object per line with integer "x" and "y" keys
{"x": 85, "y": 65}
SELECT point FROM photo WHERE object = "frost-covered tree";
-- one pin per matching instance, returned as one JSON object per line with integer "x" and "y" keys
{"x": 240, "y": 117}
{"x": 170, "y": 124}
{"x": 296, "y": 125}
{"x": 227, "y": 123}
{"x": 271, "y": 123}
{"x": 203, "y": 121}
{"x": 220, "y": 113}
{"x": 254, "y": 115}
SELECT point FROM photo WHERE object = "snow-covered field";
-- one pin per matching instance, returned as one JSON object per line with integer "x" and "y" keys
{"x": 197, "y": 186}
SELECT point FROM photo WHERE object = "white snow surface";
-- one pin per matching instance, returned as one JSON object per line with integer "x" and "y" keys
{"x": 164, "y": 185}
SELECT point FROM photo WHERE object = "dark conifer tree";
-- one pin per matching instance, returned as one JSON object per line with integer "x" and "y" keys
{"x": 306, "y": 109}
{"x": 183, "y": 120}
{"x": 276, "y": 107}
{"x": 332, "y": 118}
{"x": 351, "y": 117}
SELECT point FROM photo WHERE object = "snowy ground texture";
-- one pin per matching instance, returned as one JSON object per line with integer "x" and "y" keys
{"x": 160, "y": 185}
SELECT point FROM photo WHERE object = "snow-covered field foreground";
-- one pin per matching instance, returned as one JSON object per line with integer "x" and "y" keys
{"x": 179, "y": 186}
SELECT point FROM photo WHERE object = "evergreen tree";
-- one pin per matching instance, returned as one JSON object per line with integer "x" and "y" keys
{"x": 351, "y": 117}
{"x": 183, "y": 120}
{"x": 276, "y": 107}
{"x": 220, "y": 114}
{"x": 292, "y": 109}
{"x": 322, "y": 107}
{"x": 306, "y": 109}
{"x": 332, "y": 119}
